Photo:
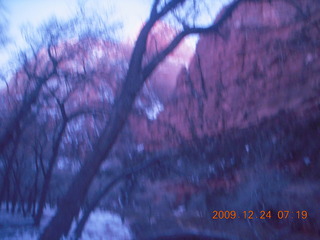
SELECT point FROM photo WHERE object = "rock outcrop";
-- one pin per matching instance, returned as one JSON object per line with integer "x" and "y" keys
{"x": 265, "y": 60}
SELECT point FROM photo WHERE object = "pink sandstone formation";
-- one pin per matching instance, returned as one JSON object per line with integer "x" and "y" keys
{"x": 264, "y": 60}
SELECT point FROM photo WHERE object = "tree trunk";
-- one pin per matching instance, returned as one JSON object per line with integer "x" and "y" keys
{"x": 11, "y": 160}
{"x": 82, "y": 223}
{"x": 17, "y": 190}
{"x": 72, "y": 201}
{"x": 136, "y": 75}
{"x": 34, "y": 192}
{"x": 14, "y": 201}
{"x": 76, "y": 194}
{"x": 48, "y": 175}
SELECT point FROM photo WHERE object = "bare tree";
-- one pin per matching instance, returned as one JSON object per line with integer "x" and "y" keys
{"x": 135, "y": 77}
{"x": 3, "y": 26}
{"x": 9, "y": 160}
{"x": 44, "y": 61}
{"x": 66, "y": 118}
{"x": 46, "y": 65}
{"x": 35, "y": 81}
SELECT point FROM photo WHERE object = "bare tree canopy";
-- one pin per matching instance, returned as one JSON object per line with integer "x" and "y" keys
{"x": 52, "y": 36}
{"x": 136, "y": 76}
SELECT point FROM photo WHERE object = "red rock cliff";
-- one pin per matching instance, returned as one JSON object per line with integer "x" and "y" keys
{"x": 266, "y": 59}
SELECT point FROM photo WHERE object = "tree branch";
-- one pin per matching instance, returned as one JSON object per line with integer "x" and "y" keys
{"x": 169, "y": 7}
{"x": 149, "y": 68}
{"x": 154, "y": 11}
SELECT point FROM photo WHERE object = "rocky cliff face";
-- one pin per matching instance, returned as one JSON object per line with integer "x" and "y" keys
{"x": 265, "y": 60}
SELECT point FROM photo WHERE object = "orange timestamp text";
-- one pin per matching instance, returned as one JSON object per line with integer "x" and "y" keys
{"x": 282, "y": 214}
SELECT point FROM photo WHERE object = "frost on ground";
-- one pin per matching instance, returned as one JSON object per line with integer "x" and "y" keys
{"x": 105, "y": 224}
{"x": 101, "y": 225}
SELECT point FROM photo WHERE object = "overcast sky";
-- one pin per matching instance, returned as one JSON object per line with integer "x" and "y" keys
{"x": 31, "y": 13}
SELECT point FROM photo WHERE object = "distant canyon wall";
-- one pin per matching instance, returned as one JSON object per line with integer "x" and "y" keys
{"x": 265, "y": 59}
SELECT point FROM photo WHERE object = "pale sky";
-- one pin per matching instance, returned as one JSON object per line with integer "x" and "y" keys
{"x": 32, "y": 13}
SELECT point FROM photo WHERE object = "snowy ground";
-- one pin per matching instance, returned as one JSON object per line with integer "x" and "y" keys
{"x": 101, "y": 225}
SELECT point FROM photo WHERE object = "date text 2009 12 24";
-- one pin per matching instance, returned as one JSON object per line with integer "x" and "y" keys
{"x": 282, "y": 214}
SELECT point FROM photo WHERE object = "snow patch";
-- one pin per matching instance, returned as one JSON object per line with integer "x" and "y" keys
{"x": 101, "y": 225}
{"x": 153, "y": 111}
{"x": 140, "y": 147}
{"x": 105, "y": 225}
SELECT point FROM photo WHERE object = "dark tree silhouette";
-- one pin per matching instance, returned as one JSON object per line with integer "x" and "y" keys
{"x": 44, "y": 67}
{"x": 66, "y": 118}
{"x": 46, "y": 61}
{"x": 136, "y": 75}
{"x": 3, "y": 26}
{"x": 31, "y": 95}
